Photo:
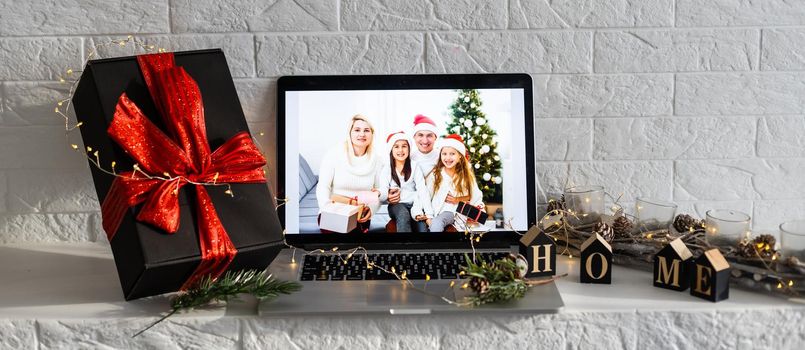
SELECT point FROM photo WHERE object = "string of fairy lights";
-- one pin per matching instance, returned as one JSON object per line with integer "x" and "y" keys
{"x": 62, "y": 108}
{"x": 647, "y": 235}
{"x": 473, "y": 235}
{"x": 400, "y": 274}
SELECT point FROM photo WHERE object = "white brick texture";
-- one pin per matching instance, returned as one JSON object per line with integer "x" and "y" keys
{"x": 673, "y": 138}
{"x": 525, "y": 14}
{"x": 506, "y": 52}
{"x": 33, "y": 58}
{"x": 18, "y": 334}
{"x": 676, "y": 51}
{"x": 783, "y": 49}
{"x": 177, "y": 333}
{"x": 740, "y": 94}
{"x": 70, "y": 17}
{"x": 30, "y": 103}
{"x": 697, "y": 101}
{"x": 781, "y": 136}
{"x": 718, "y": 13}
{"x": 420, "y": 15}
{"x": 603, "y": 95}
{"x": 253, "y": 15}
{"x": 339, "y": 54}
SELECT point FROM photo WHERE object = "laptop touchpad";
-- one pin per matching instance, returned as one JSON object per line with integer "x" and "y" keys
{"x": 403, "y": 294}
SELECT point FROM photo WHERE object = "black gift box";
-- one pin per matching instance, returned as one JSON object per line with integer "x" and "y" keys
{"x": 472, "y": 212}
{"x": 150, "y": 261}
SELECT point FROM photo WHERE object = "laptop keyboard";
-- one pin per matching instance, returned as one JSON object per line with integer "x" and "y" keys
{"x": 415, "y": 265}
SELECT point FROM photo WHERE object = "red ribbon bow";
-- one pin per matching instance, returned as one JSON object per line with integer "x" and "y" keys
{"x": 184, "y": 157}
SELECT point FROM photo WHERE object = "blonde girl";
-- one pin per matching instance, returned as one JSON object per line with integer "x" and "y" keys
{"x": 451, "y": 181}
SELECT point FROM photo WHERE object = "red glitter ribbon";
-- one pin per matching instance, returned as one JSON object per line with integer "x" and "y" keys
{"x": 183, "y": 155}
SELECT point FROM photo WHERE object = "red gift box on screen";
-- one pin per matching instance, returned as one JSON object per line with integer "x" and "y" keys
{"x": 472, "y": 212}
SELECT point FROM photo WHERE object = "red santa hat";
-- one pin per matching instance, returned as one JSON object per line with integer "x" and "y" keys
{"x": 423, "y": 123}
{"x": 394, "y": 137}
{"x": 454, "y": 141}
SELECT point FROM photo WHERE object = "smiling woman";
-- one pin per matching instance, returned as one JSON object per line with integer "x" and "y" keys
{"x": 349, "y": 173}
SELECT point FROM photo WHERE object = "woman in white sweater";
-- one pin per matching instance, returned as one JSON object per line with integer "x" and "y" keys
{"x": 402, "y": 184}
{"x": 351, "y": 169}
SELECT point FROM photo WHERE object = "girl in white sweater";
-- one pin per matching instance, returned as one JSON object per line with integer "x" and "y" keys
{"x": 402, "y": 184}
{"x": 450, "y": 182}
{"x": 351, "y": 168}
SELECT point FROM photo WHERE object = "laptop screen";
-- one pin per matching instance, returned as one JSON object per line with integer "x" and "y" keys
{"x": 404, "y": 157}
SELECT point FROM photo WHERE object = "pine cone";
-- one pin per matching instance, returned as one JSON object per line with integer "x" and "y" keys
{"x": 479, "y": 285}
{"x": 762, "y": 245}
{"x": 556, "y": 204}
{"x": 684, "y": 222}
{"x": 604, "y": 230}
{"x": 622, "y": 226}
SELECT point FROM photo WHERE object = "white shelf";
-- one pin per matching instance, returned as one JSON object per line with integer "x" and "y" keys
{"x": 60, "y": 295}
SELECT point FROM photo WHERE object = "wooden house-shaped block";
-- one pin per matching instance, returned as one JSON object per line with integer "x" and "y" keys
{"x": 539, "y": 250}
{"x": 672, "y": 266}
{"x": 596, "y": 260}
{"x": 710, "y": 276}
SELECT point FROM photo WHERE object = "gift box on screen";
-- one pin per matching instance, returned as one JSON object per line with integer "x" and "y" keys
{"x": 339, "y": 217}
{"x": 186, "y": 195}
{"x": 472, "y": 212}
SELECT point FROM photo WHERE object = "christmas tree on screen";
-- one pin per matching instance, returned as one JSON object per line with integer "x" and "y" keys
{"x": 468, "y": 121}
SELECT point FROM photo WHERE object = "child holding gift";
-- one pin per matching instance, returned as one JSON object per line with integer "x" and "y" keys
{"x": 452, "y": 180}
{"x": 402, "y": 183}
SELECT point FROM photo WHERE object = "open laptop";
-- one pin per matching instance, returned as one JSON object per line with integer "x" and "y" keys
{"x": 339, "y": 140}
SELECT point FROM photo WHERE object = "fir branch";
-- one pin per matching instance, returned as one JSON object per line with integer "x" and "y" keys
{"x": 500, "y": 281}
{"x": 228, "y": 287}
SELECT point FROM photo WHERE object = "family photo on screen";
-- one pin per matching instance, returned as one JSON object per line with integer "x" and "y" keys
{"x": 417, "y": 174}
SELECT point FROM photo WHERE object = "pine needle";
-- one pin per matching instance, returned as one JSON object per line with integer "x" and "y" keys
{"x": 228, "y": 287}
{"x": 504, "y": 280}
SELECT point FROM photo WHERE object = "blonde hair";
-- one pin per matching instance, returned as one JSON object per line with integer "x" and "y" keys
{"x": 463, "y": 178}
{"x": 369, "y": 148}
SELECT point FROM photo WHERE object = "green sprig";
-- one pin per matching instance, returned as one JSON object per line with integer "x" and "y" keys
{"x": 229, "y": 286}
{"x": 503, "y": 278}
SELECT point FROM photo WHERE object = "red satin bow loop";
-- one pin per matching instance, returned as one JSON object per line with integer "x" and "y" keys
{"x": 182, "y": 156}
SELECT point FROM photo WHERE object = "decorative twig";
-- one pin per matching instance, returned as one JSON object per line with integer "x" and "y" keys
{"x": 498, "y": 281}
{"x": 638, "y": 249}
{"x": 229, "y": 286}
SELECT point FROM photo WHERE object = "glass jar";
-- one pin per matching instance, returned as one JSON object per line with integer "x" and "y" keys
{"x": 586, "y": 203}
{"x": 792, "y": 239}
{"x": 725, "y": 228}
{"x": 653, "y": 214}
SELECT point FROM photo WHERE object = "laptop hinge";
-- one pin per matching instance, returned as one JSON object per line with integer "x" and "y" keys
{"x": 410, "y": 246}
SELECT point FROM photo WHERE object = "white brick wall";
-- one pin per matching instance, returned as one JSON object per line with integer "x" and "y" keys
{"x": 697, "y": 101}
{"x": 732, "y": 329}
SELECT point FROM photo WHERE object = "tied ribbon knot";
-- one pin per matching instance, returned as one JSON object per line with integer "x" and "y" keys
{"x": 181, "y": 157}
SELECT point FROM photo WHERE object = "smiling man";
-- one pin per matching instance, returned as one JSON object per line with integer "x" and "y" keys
{"x": 425, "y": 152}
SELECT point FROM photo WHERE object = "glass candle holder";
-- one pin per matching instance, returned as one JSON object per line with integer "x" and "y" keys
{"x": 792, "y": 239}
{"x": 586, "y": 202}
{"x": 726, "y": 227}
{"x": 653, "y": 214}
